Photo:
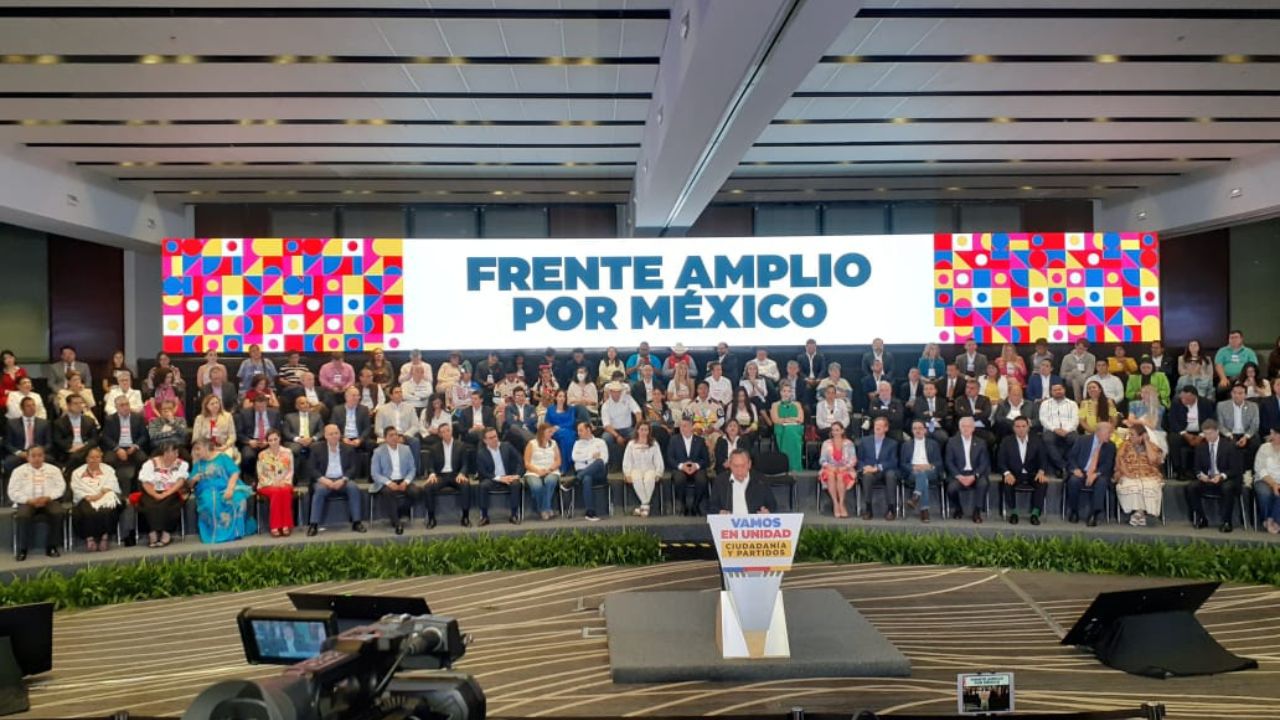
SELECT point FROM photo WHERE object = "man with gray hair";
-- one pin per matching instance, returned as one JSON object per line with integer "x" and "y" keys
{"x": 969, "y": 465}
{"x": 884, "y": 404}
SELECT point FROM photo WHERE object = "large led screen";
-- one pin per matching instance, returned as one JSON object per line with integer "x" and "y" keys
{"x": 323, "y": 294}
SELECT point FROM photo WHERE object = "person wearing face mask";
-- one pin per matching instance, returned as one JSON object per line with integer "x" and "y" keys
{"x": 582, "y": 391}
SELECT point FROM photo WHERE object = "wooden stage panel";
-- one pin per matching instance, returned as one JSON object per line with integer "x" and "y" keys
{"x": 532, "y": 656}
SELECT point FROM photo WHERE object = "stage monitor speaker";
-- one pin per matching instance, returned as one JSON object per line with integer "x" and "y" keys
{"x": 1154, "y": 633}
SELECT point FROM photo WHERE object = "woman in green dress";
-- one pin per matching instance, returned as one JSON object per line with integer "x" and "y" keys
{"x": 788, "y": 427}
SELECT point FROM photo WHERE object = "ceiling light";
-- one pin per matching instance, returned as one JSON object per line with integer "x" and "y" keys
{"x": 1142, "y": 214}
{"x": 151, "y": 59}
{"x": 1102, "y": 119}
{"x": 736, "y": 191}
{"x": 1235, "y": 193}
{"x": 1027, "y": 187}
{"x": 499, "y": 192}
{"x": 901, "y": 121}
{"x": 882, "y": 189}
{"x": 954, "y": 188}
{"x": 980, "y": 58}
{"x": 376, "y": 121}
{"x": 573, "y": 192}
{"x": 48, "y": 59}
{"x": 187, "y": 59}
{"x": 1001, "y": 119}
{"x": 1234, "y": 58}
{"x": 1108, "y": 58}
{"x": 15, "y": 59}
{"x": 284, "y": 59}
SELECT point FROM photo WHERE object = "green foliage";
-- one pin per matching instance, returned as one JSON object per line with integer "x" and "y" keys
{"x": 1251, "y": 563}
{"x": 256, "y": 568}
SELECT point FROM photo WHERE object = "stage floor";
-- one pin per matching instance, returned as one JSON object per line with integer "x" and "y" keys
{"x": 540, "y": 647}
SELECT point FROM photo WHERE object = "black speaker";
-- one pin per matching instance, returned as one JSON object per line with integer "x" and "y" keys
{"x": 1154, "y": 633}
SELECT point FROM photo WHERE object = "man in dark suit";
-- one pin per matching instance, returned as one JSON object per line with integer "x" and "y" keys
{"x": 74, "y": 434}
{"x": 871, "y": 385}
{"x": 813, "y": 364}
{"x": 252, "y": 426}
{"x": 333, "y": 465}
{"x": 1187, "y": 416}
{"x": 725, "y": 446}
{"x": 921, "y": 458}
{"x": 1091, "y": 465}
{"x": 319, "y": 399}
{"x": 877, "y": 352}
{"x": 740, "y": 491}
{"x": 884, "y": 405}
{"x": 499, "y": 467}
{"x": 25, "y": 432}
{"x": 971, "y": 363}
{"x": 1220, "y": 467}
{"x": 356, "y": 429}
{"x": 519, "y": 419}
{"x": 912, "y": 388}
{"x": 448, "y": 465}
{"x": 976, "y": 406}
{"x": 473, "y": 420}
{"x": 1269, "y": 410}
{"x": 124, "y": 443}
{"x": 302, "y": 430}
{"x": 1012, "y": 408}
{"x": 729, "y": 364}
{"x": 1040, "y": 385}
{"x": 222, "y": 387}
{"x": 642, "y": 389}
{"x": 1022, "y": 462}
{"x": 878, "y": 465}
{"x": 688, "y": 459}
{"x": 951, "y": 386}
{"x": 969, "y": 465}
{"x": 931, "y": 409}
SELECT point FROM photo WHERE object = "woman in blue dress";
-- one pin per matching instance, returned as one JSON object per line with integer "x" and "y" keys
{"x": 565, "y": 417}
{"x": 221, "y": 499}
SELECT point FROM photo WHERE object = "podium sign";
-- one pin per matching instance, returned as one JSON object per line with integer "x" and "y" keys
{"x": 754, "y": 551}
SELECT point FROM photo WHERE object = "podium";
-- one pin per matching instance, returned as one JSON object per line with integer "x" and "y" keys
{"x": 754, "y": 552}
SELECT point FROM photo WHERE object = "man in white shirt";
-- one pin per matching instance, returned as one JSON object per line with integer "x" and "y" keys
{"x": 393, "y": 470}
{"x": 1059, "y": 421}
{"x": 398, "y": 413}
{"x": 417, "y": 389}
{"x": 590, "y": 455}
{"x": 619, "y": 414}
{"x": 739, "y": 491}
{"x": 1266, "y": 481}
{"x": 765, "y": 365}
{"x": 415, "y": 361}
{"x": 1111, "y": 385}
{"x": 37, "y": 489}
{"x": 23, "y": 392}
{"x": 719, "y": 387}
{"x": 123, "y": 389}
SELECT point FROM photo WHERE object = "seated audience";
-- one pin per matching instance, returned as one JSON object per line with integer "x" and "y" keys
{"x": 877, "y": 352}
{"x": 1195, "y": 370}
{"x": 433, "y": 418}
{"x": 163, "y": 480}
{"x": 1186, "y": 423}
{"x": 10, "y": 374}
{"x": 450, "y": 373}
{"x": 393, "y": 470}
{"x": 765, "y": 365}
{"x": 800, "y": 389}
{"x": 1077, "y": 366}
{"x": 448, "y": 465}
{"x": 931, "y": 365}
{"x": 75, "y": 385}
{"x": 1230, "y": 360}
{"x": 1266, "y": 481}
{"x": 619, "y": 416}
{"x": 1010, "y": 366}
{"x": 252, "y": 426}
{"x": 164, "y": 391}
{"x": 96, "y": 500}
{"x": 740, "y": 491}
{"x": 1255, "y": 386}
{"x": 1042, "y": 353}
{"x": 378, "y": 366}
{"x": 458, "y": 394}
{"x": 275, "y": 483}
{"x": 931, "y": 410}
{"x": 37, "y": 489}
{"x": 1096, "y": 408}
{"x": 1040, "y": 386}
{"x": 643, "y": 466}
{"x": 290, "y": 376}
{"x": 1238, "y": 422}
{"x": 259, "y": 387}
{"x": 519, "y": 419}
{"x": 787, "y": 418}
{"x": 337, "y": 375}
{"x": 689, "y": 460}
{"x": 372, "y": 395}
{"x": 921, "y": 458}
{"x": 25, "y": 433}
{"x": 123, "y": 389}
{"x": 125, "y": 442}
{"x": 756, "y": 386}
{"x": 1091, "y": 466}
{"x": 878, "y": 465}
{"x": 884, "y": 404}
{"x": 417, "y": 388}
{"x": 489, "y": 373}
{"x": 1120, "y": 364}
{"x": 732, "y": 439}
{"x": 1162, "y": 362}
{"x": 641, "y": 390}
{"x": 356, "y": 428}
{"x": 912, "y": 387}
{"x": 1111, "y": 385}
{"x": 542, "y": 463}
{"x": 1139, "y": 476}
{"x": 222, "y": 500}
{"x": 318, "y": 399}
{"x": 582, "y": 392}
{"x": 416, "y": 362}
{"x": 1012, "y": 408}
{"x": 838, "y": 468}
{"x": 74, "y": 435}
{"x": 1220, "y": 472}
{"x": 397, "y": 413}
{"x": 499, "y": 468}
{"x": 951, "y": 387}
{"x": 971, "y": 363}
{"x": 993, "y": 386}
{"x": 608, "y": 366}
{"x": 255, "y": 365}
{"x": 506, "y": 387}
{"x": 679, "y": 356}
{"x": 64, "y": 366}
{"x": 116, "y": 368}
{"x": 968, "y": 464}
{"x": 24, "y": 392}
{"x": 871, "y": 385}
{"x": 719, "y": 387}
{"x": 1147, "y": 375}
{"x": 813, "y": 364}
{"x": 1021, "y": 463}
{"x": 302, "y": 430}
{"x": 978, "y": 407}
{"x": 333, "y": 468}
{"x": 589, "y": 462}
{"x": 474, "y": 419}
{"x": 1148, "y": 411}
{"x": 831, "y": 410}
{"x": 219, "y": 387}
{"x": 204, "y": 373}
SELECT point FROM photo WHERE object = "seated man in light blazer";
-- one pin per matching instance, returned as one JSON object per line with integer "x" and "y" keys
{"x": 394, "y": 468}
{"x": 740, "y": 491}
{"x": 66, "y": 363}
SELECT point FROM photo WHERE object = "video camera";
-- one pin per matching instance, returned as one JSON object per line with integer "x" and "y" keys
{"x": 352, "y": 676}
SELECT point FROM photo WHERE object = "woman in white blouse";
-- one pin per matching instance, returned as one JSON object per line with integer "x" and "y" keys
{"x": 542, "y": 469}
{"x": 433, "y": 417}
{"x": 643, "y": 466}
{"x": 754, "y": 382}
{"x": 609, "y": 365}
{"x": 164, "y": 480}
{"x": 96, "y": 495}
{"x": 681, "y": 390}
{"x": 582, "y": 392}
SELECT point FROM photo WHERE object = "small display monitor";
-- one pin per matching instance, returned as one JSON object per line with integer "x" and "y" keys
{"x": 284, "y": 638}
{"x": 986, "y": 693}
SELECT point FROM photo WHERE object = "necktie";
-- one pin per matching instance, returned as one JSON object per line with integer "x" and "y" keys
{"x": 31, "y": 434}
{"x": 1213, "y": 458}
{"x": 304, "y": 425}
{"x": 1093, "y": 458}
{"x": 262, "y": 426}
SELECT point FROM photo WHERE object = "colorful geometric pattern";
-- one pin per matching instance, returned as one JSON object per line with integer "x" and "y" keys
{"x": 1018, "y": 287}
{"x": 304, "y": 294}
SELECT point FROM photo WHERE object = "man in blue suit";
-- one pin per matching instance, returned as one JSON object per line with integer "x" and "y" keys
{"x": 1040, "y": 385}
{"x": 688, "y": 459}
{"x": 393, "y": 469}
{"x": 1091, "y": 465}
{"x": 878, "y": 456}
{"x": 519, "y": 420}
{"x": 1186, "y": 416}
{"x": 969, "y": 465}
{"x": 499, "y": 467}
{"x": 921, "y": 456}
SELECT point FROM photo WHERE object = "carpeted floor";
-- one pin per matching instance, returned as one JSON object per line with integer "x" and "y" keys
{"x": 540, "y": 647}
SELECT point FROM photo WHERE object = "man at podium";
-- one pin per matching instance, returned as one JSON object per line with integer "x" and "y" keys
{"x": 740, "y": 491}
